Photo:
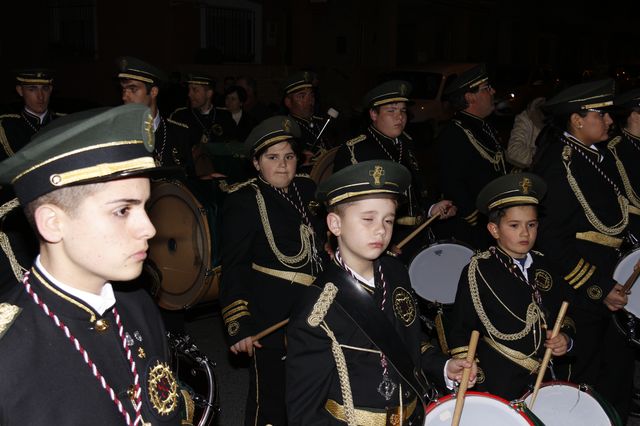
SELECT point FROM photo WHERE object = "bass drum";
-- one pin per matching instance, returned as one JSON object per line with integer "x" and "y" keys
{"x": 197, "y": 381}
{"x": 569, "y": 404}
{"x": 323, "y": 166}
{"x": 479, "y": 409}
{"x": 627, "y": 320}
{"x": 184, "y": 261}
{"x": 435, "y": 270}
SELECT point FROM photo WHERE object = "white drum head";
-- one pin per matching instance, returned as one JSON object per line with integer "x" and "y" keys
{"x": 478, "y": 411}
{"x": 565, "y": 405}
{"x": 435, "y": 271}
{"x": 623, "y": 271}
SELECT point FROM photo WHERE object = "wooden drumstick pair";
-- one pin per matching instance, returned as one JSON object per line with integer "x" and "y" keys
{"x": 269, "y": 330}
{"x": 417, "y": 231}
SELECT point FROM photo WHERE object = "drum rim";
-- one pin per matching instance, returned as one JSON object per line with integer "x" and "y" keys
{"x": 330, "y": 152}
{"x": 482, "y": 395}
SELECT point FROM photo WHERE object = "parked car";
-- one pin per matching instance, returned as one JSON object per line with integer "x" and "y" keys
{"x": 429, "y": 82}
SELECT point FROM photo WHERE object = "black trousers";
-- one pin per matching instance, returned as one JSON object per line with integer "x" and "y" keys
{"x": 266, "y": 399}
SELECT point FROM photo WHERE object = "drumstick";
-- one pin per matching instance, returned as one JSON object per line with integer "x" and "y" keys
{"x": 547, "y": 353}
{"x": 417, "y": 230}
{"x": 632, "y": 279}
{"x": 462, "y": 389}
{"x": 269, "y": 330}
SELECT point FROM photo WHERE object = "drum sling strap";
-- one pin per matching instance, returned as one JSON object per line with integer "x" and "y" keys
{"x": 373, "y": 323}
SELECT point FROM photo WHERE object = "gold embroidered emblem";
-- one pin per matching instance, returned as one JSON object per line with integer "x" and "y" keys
{"x": 404, "y": 306}
{"x": 543, "y": 280}
{"x": 217, "y": 130}
{"x": 8, "y": 314}
{"x": 594, "y": 292}
{"x": 376, "y": 174}
{"x": 566, "y": 153}
{"x": 525, "y": 185}
{"x": 141, "y": 353}
{"x": 286, "y": 125}
{"x": 313, "y": 207}
{"x": 163, "y": 389}
{"x": 123, "y": 64}
{"x": 233, "y": 328}
{"x": 307, "y": 77}
{"x": 403, "y": 89}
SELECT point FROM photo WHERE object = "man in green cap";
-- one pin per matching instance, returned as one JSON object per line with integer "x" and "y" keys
{"x": 506, "y": 285}
{"x": 470, "y": 154}
{"x": 74, "y": 343}
{"x": 34, "y": 85}
{"x": 300, "y": 101}
{"x": 207, "y": 123}
{"x": 355, "y": 350}
{"x": 140, "y": 83}
{"x": 385, "y": 138}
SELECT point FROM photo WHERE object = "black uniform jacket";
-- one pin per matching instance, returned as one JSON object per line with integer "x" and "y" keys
{"x": 45, "y": 380}
{"x": 339, "y": 315}
{"x": 586, "y": 265}
{"x": 172, "y": 145}
{"x": 252, "y": 300}
{"x": 309, "y": 130}
{"x": 625, "y": 149}
{"x": 216, "y": 126}
{"x": 373, "y": 145}
{"x": 505, "y": 296}
{"x": 470, "y": 156}
{"x": 16, "y": 130}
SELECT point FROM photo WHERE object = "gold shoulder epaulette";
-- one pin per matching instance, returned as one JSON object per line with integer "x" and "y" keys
{"x": 481, "y": 255}
{"x": 224, "y": 187}
{"x": 406, "y": 135}
{"x": 8, "y": 314}
{"x": 177, "y": 110}
{"x": 360, "y": 138}
{"x": 222, "y": 108}
{"x": 177, "y": 123}
{"x": 539, "y": 253}
{"x": 613, "y": 142}
{"x": 60, "y": 114}
{"x": 303, "y": 175}
{"x": 321, "y": 307}
{"x": 9, "y": 116}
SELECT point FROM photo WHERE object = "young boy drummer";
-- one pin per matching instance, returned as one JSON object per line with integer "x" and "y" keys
{"x": 74, "y": 349}
{"x": 508, "y": 293}
{"x": 355, "y": 351}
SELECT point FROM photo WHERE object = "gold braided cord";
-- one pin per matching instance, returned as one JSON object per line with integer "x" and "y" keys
{"x": 534, "y": 315}
{"x": 628, "y": 189}
{"x": 497, "y": 160}
{"x": 343, "y": 375}
{"x": 5, "y": 244}
{"x": 307, "y": 238}
{"x": 321, "y": 307}
{"x": 591, "y": 216}
{"x": 5, "y": 142}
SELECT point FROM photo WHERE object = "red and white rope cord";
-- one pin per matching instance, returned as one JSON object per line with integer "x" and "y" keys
{"x": 87, "y": 359}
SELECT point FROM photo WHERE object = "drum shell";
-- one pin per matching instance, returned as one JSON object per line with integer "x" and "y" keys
{"x": 323, "y": 166}
{"x": 479, "y": 409}
{"x": 185, "y": 249}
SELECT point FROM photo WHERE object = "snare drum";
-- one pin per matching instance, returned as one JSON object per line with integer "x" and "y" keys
{"x": 568, "y": 404}
{"x": 479, "y": 409}
{"x": 435, "y": 270}
{"x": 196, "y": 377}
{"x": 183, "y": 250}
{"x": 623, "y": 271}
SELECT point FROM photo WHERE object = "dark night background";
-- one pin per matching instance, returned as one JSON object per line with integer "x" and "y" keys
{"x": 349, "y": 43}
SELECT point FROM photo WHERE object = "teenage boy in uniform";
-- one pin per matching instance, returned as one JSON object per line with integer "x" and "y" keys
{"x": 75, "y": 349}
{"x": 355, "y": 349}
{"x": 509, "y": 294}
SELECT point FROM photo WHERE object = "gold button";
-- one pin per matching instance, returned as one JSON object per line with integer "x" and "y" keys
{"x": 141, "y": 353}
{"x": 102, "y": 325}
{"x": 131, "y": 391}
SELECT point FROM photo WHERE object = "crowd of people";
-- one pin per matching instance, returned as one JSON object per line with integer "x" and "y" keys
{"x": 314, "y": 285}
